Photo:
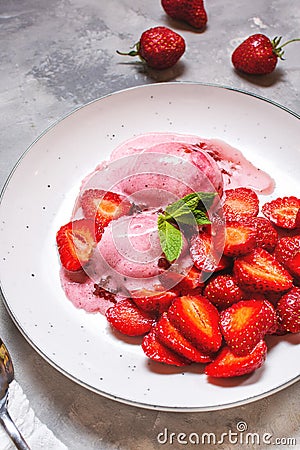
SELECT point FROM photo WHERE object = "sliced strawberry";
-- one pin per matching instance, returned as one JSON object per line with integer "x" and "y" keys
{"x": 171, "y": 337}
{"x": 217, "y": 225}
{"x": 103, "y": 207}
{"x": 288, "y": 311}
{"x": 75, "y": 242}
{"x": 260, "y": 271}
{"x": 245, "y": 323}
{"x": 125, "y": 317}
{"x": 293, "y": 266}
{"x": 240, "y": 203}
{"x": 198, "y": 320}
{"x": 155, "y": 350}
{"x": 181, "y": 283}
{"x": 283, "y": 212}
{"x": 228, "y": 364}
{"x": 89, "y": 202}
{"x": 223, "y": 291}
{"x": 153, "y": 301}
{"x": 287, "y": 251}
{"x": 240, "y": 239}
{"x": 192, "y": 280}
{"x": 205, "y": 255}
{"x": 266, "y": 235}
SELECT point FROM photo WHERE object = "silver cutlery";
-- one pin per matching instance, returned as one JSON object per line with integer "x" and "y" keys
{"x": 6, "y": 377}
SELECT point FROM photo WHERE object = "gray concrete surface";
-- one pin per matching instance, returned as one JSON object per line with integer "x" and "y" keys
{"x": 59, "y": 54}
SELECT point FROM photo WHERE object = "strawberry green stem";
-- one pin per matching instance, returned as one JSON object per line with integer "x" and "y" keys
{"x": 134, "y": 52}
{"x": 277, "y": 49}
{"x": 288, "y": 42}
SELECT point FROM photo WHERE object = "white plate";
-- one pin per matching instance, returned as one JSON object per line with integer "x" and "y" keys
{"x": 39, "y": 196}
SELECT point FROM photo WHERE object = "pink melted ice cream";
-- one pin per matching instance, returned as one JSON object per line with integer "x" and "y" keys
{"x": 153, "y": 170}
{"x": 128, "y": 254}
{"x": 225, "y": 162}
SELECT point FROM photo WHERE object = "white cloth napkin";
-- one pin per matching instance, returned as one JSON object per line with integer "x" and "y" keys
{"x": 36, "y": 434}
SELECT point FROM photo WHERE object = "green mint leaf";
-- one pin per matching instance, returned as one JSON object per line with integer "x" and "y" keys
{"x": 170, "y": 238}
{"x": 190, "y": 203}
{"x": 189, "y": 210}
{"x": 182, "y": 206}
{"x": 201, "y": 218}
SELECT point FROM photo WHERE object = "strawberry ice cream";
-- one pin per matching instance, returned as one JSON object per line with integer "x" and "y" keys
{"x": 152, "y": 171}
{"x": 129, "y": 253}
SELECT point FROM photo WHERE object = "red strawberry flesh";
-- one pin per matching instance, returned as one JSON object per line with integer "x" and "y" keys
{"x": 287, "y": 251}
{"x": 260, "y": 271}
{"x": 125, "y": 317}
{"x": 103, "y": 206}
{"x": 283, "y": 212}
{"x": 266, "y": 235}
{"x": 288, "y": 311}
{"x": 240, "y": 203}
{"x": 156, "y": 351}
{"x": 228, "y": 364}
{"x": 153, "y": 301}
{"x": 198, "y": 320}
{"x": 239, "y": 239}
{"x": 223, "y": 291}
{"x": 206, "y": 255}
{"x": 75, "y": 242}
{"x": 171, "y": 337}
{"x": 245, "y": 323}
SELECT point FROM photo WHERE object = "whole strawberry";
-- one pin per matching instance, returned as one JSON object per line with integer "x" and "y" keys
{"x": 159, "y": 47}
{"x": 189, "y": 11}
{"x": 258, "y": 55}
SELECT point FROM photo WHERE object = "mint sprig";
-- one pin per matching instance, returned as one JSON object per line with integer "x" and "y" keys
{"x": 189, "y": 210}
{"x": 170, "y": 238}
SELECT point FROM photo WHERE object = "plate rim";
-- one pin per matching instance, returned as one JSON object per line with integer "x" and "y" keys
{"x": 63, "y": 371}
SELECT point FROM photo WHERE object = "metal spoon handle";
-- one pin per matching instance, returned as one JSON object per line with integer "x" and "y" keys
{"x": 13, "y": 431}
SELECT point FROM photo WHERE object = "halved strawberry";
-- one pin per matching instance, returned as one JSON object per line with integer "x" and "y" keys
{"x": 266, "y": 235}
{"x": 153, "y": 301}
{"x": 103, "y": 207}
{"x": 128, "y": 319}
{"x": 155, "y": 350}
{"x": 293, "y": 266}
{"x": 260, "y": 271}
{"x": 245, "y": 323}
{"x": 198, "y": 320}
{"x": 223, "y": 291}
{"x": 283, "y": 211}
{"x": 171, "y": 337}
{"x": 287, "y": 251}
{"x": 192, "y": 280}
{"x": 288, "y": 311}
{"x": 240, "y": 203}
{"x": 240, "y": 239}
{"x": 75, "y": 242}
{"x": 89, "y": 202}
{"x": 205, "y": 255}
{"x": 181, "y": 283}
{"x": 228, "y": 364}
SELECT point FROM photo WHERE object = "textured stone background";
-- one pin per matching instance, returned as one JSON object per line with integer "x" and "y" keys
{"x": 59, "y": 54}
